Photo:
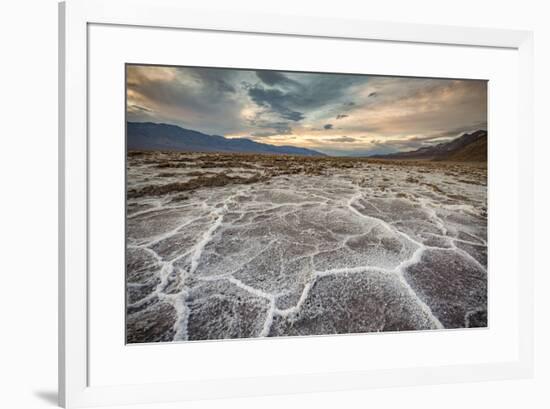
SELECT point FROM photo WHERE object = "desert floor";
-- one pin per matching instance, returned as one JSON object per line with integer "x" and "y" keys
{"x": 232, "y": 246}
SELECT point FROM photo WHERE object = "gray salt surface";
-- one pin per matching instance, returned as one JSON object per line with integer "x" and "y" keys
{"x": 374, "y": 248}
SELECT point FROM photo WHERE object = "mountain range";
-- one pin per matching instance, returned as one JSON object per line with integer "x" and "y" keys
{"x": 469, "y": 147}
{"x": 153, "y": 136}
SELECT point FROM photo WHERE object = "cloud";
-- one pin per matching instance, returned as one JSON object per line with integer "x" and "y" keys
{"x": 274, "y": 78}
{"x": 264, "y": 134}
{"x": 328, "y": 126}
{"x": 294, "y": 96}
{"x": 138, "y": 108}
{"x": 185, "y": 96}
{"x": 272, "y": 129}
{"x": 343, "y": 139}
{"x": 276, "y": 100}
{"x": 408, "y": 144}
{"x": 405, "y": 106}
{"x": 224, "y": 86}
{"x": 463, "y": 129}
{"x": 341, "y": 116}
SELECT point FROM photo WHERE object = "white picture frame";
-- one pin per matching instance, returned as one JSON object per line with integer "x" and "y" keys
{"x": 75, "y": 19}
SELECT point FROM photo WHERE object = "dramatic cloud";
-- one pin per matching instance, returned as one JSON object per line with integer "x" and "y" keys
{"x": 184, "y": 96}
{"x": 375, "y": 114}
{"x": 275, "y": 78}
{"x": 275, "y": 100}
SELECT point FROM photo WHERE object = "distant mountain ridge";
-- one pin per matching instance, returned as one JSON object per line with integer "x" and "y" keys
{"x": 469, "y": 147}
{"x": 157, "y": 136}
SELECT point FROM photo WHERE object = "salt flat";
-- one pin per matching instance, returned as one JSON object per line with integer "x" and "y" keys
{"x": 231, "y": 246}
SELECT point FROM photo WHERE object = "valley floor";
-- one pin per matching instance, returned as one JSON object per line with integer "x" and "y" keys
{"x": 231, "y": 246}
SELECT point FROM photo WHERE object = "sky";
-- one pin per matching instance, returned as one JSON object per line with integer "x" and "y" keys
{"x": 337, "y": 114}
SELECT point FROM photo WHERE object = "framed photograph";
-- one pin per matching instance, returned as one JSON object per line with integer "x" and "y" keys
{"x": 241, "y": 195}
{"x": 335, "y": 203}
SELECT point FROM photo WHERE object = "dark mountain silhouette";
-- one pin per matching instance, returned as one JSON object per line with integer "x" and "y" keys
{"x": 152, "y": 136}
{"x": 469, "y": 147}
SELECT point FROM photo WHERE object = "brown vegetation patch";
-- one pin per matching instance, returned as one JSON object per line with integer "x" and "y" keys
{"x": 166, "y": 165}
{"x": 199, "y": 182}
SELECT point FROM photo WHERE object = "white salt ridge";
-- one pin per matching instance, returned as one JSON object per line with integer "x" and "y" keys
{"x": 207, "y": 236}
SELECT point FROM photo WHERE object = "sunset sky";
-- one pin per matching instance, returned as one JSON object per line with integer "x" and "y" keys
{"x": 336, "y": 114}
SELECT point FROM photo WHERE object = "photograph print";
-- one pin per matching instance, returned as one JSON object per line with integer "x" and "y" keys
{"x": 264, "y": 203}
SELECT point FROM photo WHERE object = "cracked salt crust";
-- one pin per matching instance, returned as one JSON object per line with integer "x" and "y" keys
{"x": 373, "y": 247}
